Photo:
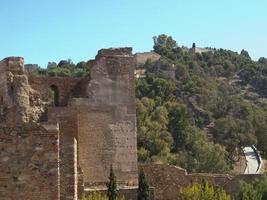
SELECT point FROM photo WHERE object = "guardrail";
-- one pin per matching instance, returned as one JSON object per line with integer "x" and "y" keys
{"x": 246, "y": 168}
{"x": 259, "y": 159}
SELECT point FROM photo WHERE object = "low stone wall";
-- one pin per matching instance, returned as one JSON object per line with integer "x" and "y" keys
{"x": 259, "y": 159}
{"x": 167, "y": 180}
{"x": 29, "y": 162}
{"x": 232, "y": 187}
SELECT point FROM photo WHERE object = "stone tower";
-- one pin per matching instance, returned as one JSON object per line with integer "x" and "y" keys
{"x": 91, "y": 126}
{"x": 14, "y": 91}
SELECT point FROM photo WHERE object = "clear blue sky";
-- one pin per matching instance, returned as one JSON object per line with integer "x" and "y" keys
{"x": 51, "y": 30}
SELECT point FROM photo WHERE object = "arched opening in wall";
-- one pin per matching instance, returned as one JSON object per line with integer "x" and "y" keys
{"x": 53, "y": 95}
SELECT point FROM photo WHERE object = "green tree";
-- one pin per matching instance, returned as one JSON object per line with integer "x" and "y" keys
{"x": 203, "y": 191}
{"x": 179, "y": 119}
{"x": 245, "y": 54}
{"x": 164, "y": 41}
{"x": 165, "y": 45}
{"x": 257, "y": 190}
{"x": 261, "y": 133}
{"x": 83, "y": 197}
{"x": 143, "y": 187}
{"x": 204, "y": 95}
{"x": 203, "y": 156}
{"x": 112, "y": 185}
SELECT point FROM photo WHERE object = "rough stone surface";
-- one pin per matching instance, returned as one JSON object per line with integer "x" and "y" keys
{"x": 96, "y": 129}
{"x": 65, "y": 86}
{"x": 142, "y": 58}
{"x": 14, "y": 91}
{"x": 92, "y": 127}
{"x": 106, "y": 120}
{"x": 29, "y": 162}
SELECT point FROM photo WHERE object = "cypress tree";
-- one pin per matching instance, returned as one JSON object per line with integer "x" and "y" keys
{"x": 143, "y": 189}
{"x": 112, "y": 185}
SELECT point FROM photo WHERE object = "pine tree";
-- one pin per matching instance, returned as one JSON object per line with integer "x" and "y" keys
{"x": 143, "y": 189}
{"x": 112, "y": 185}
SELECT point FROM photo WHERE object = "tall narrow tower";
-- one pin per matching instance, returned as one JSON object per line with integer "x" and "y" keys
{"x": 14, "y": 91}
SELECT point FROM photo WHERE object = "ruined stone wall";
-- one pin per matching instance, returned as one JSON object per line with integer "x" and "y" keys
{"x": 29, "y": 162}
{"x": 106, "y": 120}
{"x": 66, "y": 86}
{"x": 167, "y": 180}
{"x": 142, "y": 58}
{"x": 97, "y": 129}
{"x": 14, "y": 91}
{"x": 68, "y": 150}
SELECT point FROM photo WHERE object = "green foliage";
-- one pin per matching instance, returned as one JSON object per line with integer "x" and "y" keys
{"x": 257, "y": 190}
{"x": 245, "y": 54}
{"x": 143, "y": 187}
{"x": 154, "y": 139}
{"x": 65, "y": 68}
{"x": 200, "y": 155}
{"x": 203, "y": 192}
{"x": 186, "y": 97}
{"x": 179, "y": 119}
{"x": 112, "y": 185}
{"x": 98, "y": 196}
{"x": 165, "y": 131}
{"x": 164, "y": 42}
{"x": 156, "y": 88}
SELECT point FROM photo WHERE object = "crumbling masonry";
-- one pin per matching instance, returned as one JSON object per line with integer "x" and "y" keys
{"x": 59, "y": 152}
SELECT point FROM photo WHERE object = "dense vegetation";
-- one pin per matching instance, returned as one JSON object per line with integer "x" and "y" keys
{"x": 65, "y": 68}
{"x": 198, "y": 110}
{"x": 203, "y": 192}
{"x": 257, "y": 190}
{"x": 98, "y": 196}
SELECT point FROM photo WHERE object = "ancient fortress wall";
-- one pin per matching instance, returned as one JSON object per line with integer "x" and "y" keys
{"x": 106, "y": 120}
{"x": 29, "y": 167}
{"x": 95, "y": 128}
{"x": 68, "y": 150}
{"x": 64, "y": 85}
{"x": 90, "y": 128}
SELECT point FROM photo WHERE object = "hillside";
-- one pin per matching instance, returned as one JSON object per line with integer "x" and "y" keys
{"x": 196, "y": 109}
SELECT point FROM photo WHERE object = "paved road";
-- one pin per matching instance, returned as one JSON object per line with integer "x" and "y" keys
{"x": 252, "y": 162}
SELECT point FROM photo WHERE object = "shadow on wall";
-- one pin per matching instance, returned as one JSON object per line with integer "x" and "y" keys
{"x": 53, "y": 94}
